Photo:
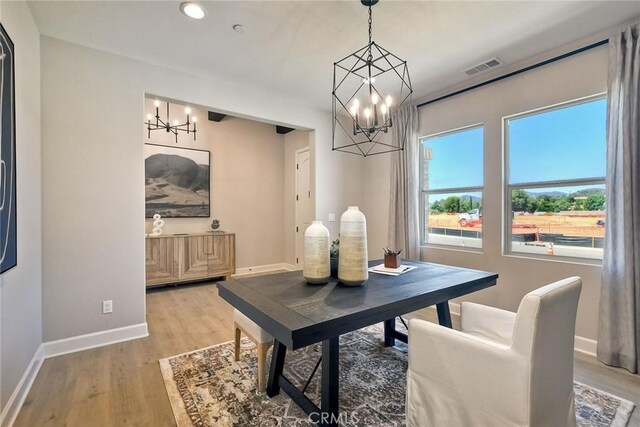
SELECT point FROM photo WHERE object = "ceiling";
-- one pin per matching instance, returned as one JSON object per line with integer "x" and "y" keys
{"x": 290, "y": 46}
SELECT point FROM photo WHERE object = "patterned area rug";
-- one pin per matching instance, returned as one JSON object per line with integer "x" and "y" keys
{"x": 207, "y": 387}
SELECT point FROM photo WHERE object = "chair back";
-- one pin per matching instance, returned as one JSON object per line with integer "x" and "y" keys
{"x": 544, "y": 335}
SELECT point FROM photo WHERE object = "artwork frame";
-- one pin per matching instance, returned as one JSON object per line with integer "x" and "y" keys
{"x": 8, "y": 187}
{"x": 177, "y": 181}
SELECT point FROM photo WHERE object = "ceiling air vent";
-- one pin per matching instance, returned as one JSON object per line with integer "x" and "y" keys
{"x": 489, "y": 63}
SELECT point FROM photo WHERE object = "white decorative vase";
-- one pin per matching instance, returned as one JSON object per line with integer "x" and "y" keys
{"x": 316, "y": 268}
{"x": 353, "y": 261}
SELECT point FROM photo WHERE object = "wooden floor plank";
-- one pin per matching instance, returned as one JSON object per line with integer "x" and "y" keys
{"x": 121, "y": 384}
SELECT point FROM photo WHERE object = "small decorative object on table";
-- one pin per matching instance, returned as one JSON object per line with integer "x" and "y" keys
{"x": 335, "y": 254}
{"x": 158, "y": 223}
{"x": 392, "y": 258}
{"x": 353, "y": 261}
{"x": 316, "y": 267}
{"x": 215, "y": 225}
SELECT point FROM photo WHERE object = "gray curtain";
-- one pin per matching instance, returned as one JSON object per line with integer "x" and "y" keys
{"x": 405, "y": 185}
{"x": 619, "y": 325}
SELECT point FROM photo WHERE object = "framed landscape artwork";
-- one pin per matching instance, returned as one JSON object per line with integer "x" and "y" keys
{"x": 8, "y": 236}
{"x": 176, "y": 182}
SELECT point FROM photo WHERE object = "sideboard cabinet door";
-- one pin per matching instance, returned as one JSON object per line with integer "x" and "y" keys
{"x": 160, "y": 260}
{"x": 221, "y": 255}
{"x": 194, "y": 263}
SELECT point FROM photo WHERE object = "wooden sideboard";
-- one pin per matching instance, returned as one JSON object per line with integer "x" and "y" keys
{"x": 188, "y": 257}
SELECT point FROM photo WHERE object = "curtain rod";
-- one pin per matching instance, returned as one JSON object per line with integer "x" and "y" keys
{"x": 514, "y": 73}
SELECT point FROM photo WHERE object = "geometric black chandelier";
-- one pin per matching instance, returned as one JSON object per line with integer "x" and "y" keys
{"x": 369, "y": 86}
{"x": 168, "y": 126}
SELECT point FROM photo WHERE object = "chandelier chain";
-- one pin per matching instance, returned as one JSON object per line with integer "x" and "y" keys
{"x": 370, "y": 23}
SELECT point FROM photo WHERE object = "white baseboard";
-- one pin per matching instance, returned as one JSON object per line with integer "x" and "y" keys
{"x": 14, "y": 404}
{"x": 583, "y": 345}
{"x": 586, "y": 346}
{"x": 263, "y": 269}
{"x": 93, "y": 340}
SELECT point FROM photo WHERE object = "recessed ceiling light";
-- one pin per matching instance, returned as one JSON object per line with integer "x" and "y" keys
{"x": 239, "y": 28}
{"x": 192, "y": 10}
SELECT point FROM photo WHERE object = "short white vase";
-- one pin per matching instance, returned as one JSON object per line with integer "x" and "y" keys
{"x": 316, "y": 268}
{"x": 353, "y": 261}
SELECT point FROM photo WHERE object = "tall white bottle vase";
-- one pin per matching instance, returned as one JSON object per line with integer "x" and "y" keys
{"x": 353, "y": 261}
{"x": 316, "y": 267}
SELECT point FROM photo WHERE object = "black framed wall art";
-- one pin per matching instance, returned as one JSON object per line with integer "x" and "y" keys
{"x": 177, "y": 182}
{"x": 8, "y": 231}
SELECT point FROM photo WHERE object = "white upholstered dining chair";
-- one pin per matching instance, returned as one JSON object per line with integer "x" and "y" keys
{"x": 501, "y": 368}
{"x": 260, "y": 337}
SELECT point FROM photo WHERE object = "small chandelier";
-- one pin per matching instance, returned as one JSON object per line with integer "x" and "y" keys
{"x": 369, "y": 86}
{"x": 167, "y": 126}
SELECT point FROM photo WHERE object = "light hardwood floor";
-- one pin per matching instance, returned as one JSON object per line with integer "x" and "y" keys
{"x": 121, "y": 385}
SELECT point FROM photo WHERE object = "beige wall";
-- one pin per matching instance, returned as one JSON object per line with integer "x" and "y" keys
{"x": 21, "y": 287}
{"x": 377, "y": 183}
{"x": 575, "y": 77}
{"x": 247, "y": 183}
{"x": 348, "y": 184}
{"x": 93, "y": 199}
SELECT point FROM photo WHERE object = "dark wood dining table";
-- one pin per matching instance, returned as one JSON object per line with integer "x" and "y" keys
{"x": 298, "y": 314}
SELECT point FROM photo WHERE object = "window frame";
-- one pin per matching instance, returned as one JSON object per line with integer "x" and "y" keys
{"x": 424, "y": 193}
{"x": 507, "y": 219}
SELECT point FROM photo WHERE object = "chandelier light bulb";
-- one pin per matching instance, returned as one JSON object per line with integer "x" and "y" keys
{"x": 194, "y": 119}
{"x": 383, "y": 109}
{"x": 388, "y": 100}
{"x": 156, "y": 104}
{"x": 367, "y": 113}
{"x": 355, "y": 106}
{"x": 175, "y": 123}
{"x": 148, "y": 116}
{"x": 375, "y": 98}
{"x": 187, "y": 110}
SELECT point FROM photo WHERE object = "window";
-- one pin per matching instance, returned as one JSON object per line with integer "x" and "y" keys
{"x": 452, "y": 181}
{"x": 555, "y": 190}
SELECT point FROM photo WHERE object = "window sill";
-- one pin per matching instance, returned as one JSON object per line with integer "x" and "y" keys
{"x": 476, "y": 251}
{"x": 557, "y": 259}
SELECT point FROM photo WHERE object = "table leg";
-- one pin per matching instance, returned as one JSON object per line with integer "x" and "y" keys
{"x": 389, "y": 327}
{"x": 275, "y": 370}
{"x": 444, "y": 315}
{"x": 330, "y": 382}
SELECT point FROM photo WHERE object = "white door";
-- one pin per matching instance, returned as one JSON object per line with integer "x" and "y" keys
{"x": 304, "y": 207}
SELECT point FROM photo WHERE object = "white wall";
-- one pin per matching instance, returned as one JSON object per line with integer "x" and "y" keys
{"x": 93, "y": 204}
{"x": 571, "y": 78}
{"x": 247, "y": 183}
{"x": 21, "y": 287}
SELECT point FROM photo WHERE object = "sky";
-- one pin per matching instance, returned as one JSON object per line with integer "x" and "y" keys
{"x": 565, "y": 143}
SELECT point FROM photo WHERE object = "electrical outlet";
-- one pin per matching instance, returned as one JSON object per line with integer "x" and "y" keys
{"x": 332, "y": 217}
{"x": 107, "y": 306}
